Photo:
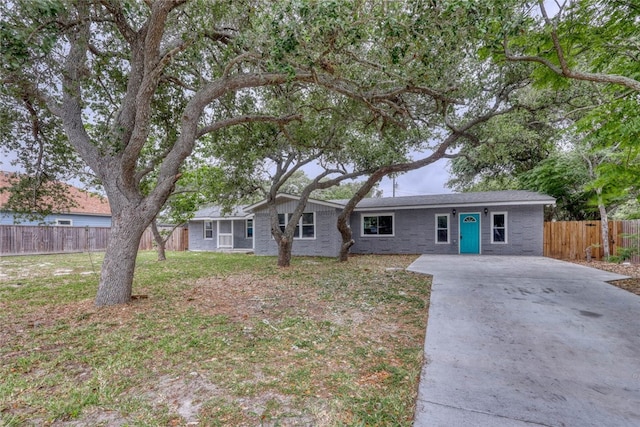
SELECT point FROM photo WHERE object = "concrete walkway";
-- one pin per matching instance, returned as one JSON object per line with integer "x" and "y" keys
{"x": 527, "y": 341}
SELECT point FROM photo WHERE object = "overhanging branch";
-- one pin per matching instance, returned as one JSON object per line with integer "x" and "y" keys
{"x": 246, "y": 119}
{"x": 563, "y": 69}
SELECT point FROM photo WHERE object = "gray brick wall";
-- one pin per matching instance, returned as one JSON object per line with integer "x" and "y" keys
{"x": 196, "y": 237}
{"x": 414, "y": 232}
{"x": 326, "y": 242}
{"x": 525, "y": 226}
{"x": 240, "y": 240}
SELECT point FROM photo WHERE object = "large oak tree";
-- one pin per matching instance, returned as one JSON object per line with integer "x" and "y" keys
{"x": 132, "y": 86}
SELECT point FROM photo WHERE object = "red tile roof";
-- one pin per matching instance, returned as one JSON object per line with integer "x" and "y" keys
{"x": 87, "y": 203}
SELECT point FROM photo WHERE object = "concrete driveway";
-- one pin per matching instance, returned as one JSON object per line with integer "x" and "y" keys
{"x": 522, "y": 341}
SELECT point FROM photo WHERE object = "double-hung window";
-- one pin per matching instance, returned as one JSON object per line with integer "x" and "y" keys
{"x": 377, "y": 225}
{"x": 208, "y": 229}
{"x": 249, "y": 228}
{"x": 306, "y": 227}
{"x": 442, "y": 228}
{"x": 499, "y": 227}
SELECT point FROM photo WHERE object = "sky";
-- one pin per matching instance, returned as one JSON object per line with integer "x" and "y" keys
{"x": 430, "y": 179}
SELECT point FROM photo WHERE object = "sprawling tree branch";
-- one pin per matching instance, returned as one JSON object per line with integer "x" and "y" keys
{"x": 563, "y": 69}
{"x": 246, "y": 119}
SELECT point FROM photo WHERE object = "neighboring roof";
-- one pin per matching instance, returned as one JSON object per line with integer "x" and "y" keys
{"x": 210, "y": 213}
{"x": 486, "y": 198}
{"x": 87, "y": 203}
{"x": 282, "y": 197}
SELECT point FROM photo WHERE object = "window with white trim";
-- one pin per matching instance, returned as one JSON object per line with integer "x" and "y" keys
{"x": 208, "y": 230}
{"x": 64, "y": 222}
{"x": 498, "y": 227}
{"x": 442, "y": 228}
{"x": 307, "y": 224}
{"x": 249, "y": 228}
{"x": 377, "y": 225}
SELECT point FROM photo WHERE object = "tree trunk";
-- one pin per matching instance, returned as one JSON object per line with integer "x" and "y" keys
{"x": 284, "y": 252}
{"x": 604, "y": 225}
{"x": 344, "y": 250}
{"x": 116, "y": 277}
{"x": 343, "y": 217}
{"x": 347, "y": 239}
{"x": 160, "y": 242}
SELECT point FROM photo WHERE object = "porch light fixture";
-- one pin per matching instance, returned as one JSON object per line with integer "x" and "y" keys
{"x": 453, "y": 211}
{"x": 486, "y": 211}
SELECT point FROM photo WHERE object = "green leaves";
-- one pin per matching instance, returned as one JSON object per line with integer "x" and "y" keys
{"x": 24, "y": 35}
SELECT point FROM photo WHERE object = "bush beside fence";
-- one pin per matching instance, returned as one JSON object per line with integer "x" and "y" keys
{"x": 22, "y": 240}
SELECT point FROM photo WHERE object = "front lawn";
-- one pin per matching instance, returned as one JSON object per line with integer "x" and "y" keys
{"x": 213, "y": 339}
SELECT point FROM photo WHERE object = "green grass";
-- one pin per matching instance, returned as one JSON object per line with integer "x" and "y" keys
{"x": 221, "y": 339}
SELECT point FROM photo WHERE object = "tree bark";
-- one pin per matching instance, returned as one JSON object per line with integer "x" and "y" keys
{"x": 347, "y": 240}
{"x": 116, "y": 278}
{"x": 161, "y": 243}
{"x": 284, "y": 252}
{"x": 604, "y": 224}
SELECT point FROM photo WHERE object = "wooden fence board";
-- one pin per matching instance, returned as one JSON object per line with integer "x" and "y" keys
{"x": 626, "y": 231}
{"x": 570, "y": 239}
{"x": 22, "y": 239}
{"x": 178, "y": 241}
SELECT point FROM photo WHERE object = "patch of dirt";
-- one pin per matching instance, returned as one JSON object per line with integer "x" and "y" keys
{"x": 237, "y": 297}
{"x": 246, "y": 296}
{"x": 183, "y": 396}
{"x": 632, "y": 270}
{"x": 97, "y": 417}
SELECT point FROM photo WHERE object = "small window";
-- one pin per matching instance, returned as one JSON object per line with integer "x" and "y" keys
{"x": 499, "y": 227}
{"x": 249, "y": 228}
{"x": 377, "y": 225}
{"x": 442, "y": 228}
{"x": 208, "y": 229}
{"x": 64, "y": 222}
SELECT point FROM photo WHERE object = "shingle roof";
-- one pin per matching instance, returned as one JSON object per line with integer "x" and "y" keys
{"x": 215, "y": 212}
{"x": 489, "y": 198}
{"x": 87, "y": 203}
{"x": 284, "y": 197}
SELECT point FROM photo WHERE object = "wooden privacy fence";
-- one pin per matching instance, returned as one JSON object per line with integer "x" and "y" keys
{"x": 178, "y": 241}
{"x": 570, "y": 239}
{"x": 625, "y": 240}
{"x": 22, "y": 239}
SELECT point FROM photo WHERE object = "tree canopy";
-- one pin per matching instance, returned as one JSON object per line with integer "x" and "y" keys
{"x": 132, "y": 88}
{"x": 585, "y": 56}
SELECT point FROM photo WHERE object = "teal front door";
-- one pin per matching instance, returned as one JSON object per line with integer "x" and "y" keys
{"x": 470, "y": 233}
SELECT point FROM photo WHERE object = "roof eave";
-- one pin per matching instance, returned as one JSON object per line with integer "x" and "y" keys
{"x": 456, "y": 205}
{"x": 263, "y": 202}
{"x": 221, "y": 218}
